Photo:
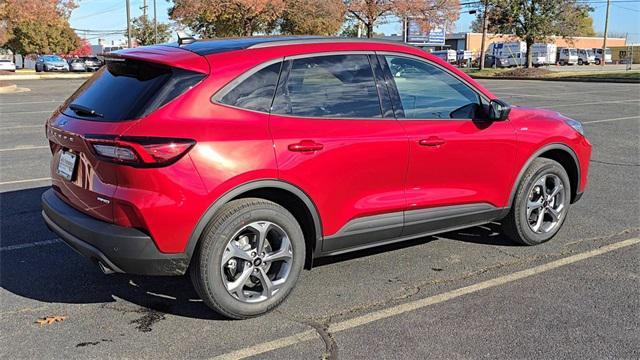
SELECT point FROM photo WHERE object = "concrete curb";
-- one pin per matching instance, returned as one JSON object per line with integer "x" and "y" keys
{"x": 15, "y": 77}
{"x": 569, "y": 79}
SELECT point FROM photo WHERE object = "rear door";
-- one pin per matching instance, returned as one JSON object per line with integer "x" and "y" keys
{"x": 115, "y": 98}
{"x": 339, "y": 142}
{"x": 455, "y": 158}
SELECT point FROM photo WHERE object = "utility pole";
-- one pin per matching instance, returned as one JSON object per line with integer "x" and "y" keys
{"x": 144, "y": 8}
{"x": 155, "y": 24}
{"x": 485, "y": 25}
{"x": 129, "y": 24}
{"x": 606, "y": 29}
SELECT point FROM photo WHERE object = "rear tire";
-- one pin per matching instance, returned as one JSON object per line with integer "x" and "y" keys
{"x": 541, "y": 203}
{"x": 232, "y": 273}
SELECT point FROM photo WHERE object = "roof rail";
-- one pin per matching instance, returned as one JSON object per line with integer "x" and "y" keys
{"x": 318, "y": 39}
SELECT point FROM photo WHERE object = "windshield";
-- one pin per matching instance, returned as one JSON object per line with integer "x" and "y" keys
{"x": 51, "y": 58}
{"x": 590, "y": 52}
{"x": 573, "y": 52}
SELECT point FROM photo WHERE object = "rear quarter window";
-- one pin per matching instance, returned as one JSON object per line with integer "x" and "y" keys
{"x": 253, "y": 92}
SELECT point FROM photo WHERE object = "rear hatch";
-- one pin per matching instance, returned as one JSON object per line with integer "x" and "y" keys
{"x": 132, "y": 84}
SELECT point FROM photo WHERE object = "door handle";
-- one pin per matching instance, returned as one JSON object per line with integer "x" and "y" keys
{"x": 431, "y": 141}
{"x": 306, "y": 146}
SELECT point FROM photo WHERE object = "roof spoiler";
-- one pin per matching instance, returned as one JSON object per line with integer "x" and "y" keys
{"x": 184, "y": 39}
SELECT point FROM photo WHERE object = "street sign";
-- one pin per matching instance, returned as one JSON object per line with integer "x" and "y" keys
{"x": 415, "y": 35}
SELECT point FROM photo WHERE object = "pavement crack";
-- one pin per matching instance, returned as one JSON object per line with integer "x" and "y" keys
{"x": 613, "y": 163}
{"x": 322, "y": 329}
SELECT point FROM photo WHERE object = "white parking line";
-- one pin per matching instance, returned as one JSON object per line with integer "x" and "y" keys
{"x": 22, "y": 127}
{"x": 29, "y": 245}
{"x": 29, "y": 112}
{"x": 24, "y": 181}
{"x": 24, "y": 148}
{"x": 614, "y": 119}
{"x": 32, "y": 102}
{"x": 417, "y": 304}
{"x": 590, "y": 103}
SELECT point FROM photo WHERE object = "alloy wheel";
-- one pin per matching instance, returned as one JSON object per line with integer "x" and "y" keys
{"x": 256, "y": 262}
{"x": 546, "y": 205}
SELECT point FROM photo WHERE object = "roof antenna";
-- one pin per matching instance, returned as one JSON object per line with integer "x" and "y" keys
{"x": 184, "y": 39}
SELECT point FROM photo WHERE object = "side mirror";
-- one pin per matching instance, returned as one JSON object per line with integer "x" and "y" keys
{"x": 498, "y": 110}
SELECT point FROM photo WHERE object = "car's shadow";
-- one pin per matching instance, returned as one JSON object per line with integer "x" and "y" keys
{"x": 35, "y": 267}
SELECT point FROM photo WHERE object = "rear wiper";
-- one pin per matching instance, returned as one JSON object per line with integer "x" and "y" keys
{"x": 83, "y": 110}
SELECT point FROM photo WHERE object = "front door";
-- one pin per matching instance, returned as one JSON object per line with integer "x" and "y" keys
{"x": 459, "y": 164}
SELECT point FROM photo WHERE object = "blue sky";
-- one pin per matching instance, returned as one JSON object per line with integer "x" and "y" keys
{"x": 624, "y": 17}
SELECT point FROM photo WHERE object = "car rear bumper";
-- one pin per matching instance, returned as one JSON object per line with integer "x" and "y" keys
{"x": 116, "y": 248}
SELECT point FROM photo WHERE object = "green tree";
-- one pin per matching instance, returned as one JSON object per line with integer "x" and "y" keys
{"x": 142, "y": 30}
{"x": 535, "y": 20}
{"x": 583, "y": 18}
{"x": 33, "y": 37}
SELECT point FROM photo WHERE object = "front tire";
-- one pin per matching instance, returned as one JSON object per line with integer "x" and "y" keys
{"x": 248, "y": 259}
{"x": 541, "y": 203}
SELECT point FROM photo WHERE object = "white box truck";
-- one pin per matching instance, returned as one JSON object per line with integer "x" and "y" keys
{"x": 509, "y": 54}
{"x": 543, "y": 54}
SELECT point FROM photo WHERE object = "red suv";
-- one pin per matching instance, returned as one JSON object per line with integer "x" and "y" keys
{"x": 242, "y": 160}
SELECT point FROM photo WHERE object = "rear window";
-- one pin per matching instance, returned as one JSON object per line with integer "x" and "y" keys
{"x": 51, "y": 58}
{"x": 128, "y": 89}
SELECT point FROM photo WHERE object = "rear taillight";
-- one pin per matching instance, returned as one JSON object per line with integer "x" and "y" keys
{"x": 140, "y": 151}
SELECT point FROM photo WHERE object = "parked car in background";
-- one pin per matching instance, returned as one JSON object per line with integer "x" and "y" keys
{"x": 92, "y": 63}
{"x": 567, "y": 56}
{"x": 77, "y": 64}
{"x": 598, "y": 56}
{"x": 242, "y": 160}
{"x": 7, "y": 65}
{"x": 51, "y": 63}
{"x": 586, "y": 57}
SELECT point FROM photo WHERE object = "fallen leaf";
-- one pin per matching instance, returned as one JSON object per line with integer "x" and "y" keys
{"x": 50, "y": 320}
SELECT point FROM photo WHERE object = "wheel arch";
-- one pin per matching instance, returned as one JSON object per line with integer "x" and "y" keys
{"x": 285, "y": 194}
{"x": 561, "y": 153}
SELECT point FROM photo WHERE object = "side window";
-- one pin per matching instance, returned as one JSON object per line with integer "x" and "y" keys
{"x": 339, "y": 86}
{"x": 254, "y": 92}
{"x": 428, "y": 92}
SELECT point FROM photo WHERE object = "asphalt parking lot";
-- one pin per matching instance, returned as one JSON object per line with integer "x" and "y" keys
{"x": 466, "y": 294}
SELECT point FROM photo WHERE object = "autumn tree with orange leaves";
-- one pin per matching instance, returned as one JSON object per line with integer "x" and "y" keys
{"x": 371, "y": 12}
{"x": 312, "y": 17}
{"x": 30, "y": 27}
{"x": 220, "y": 18}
